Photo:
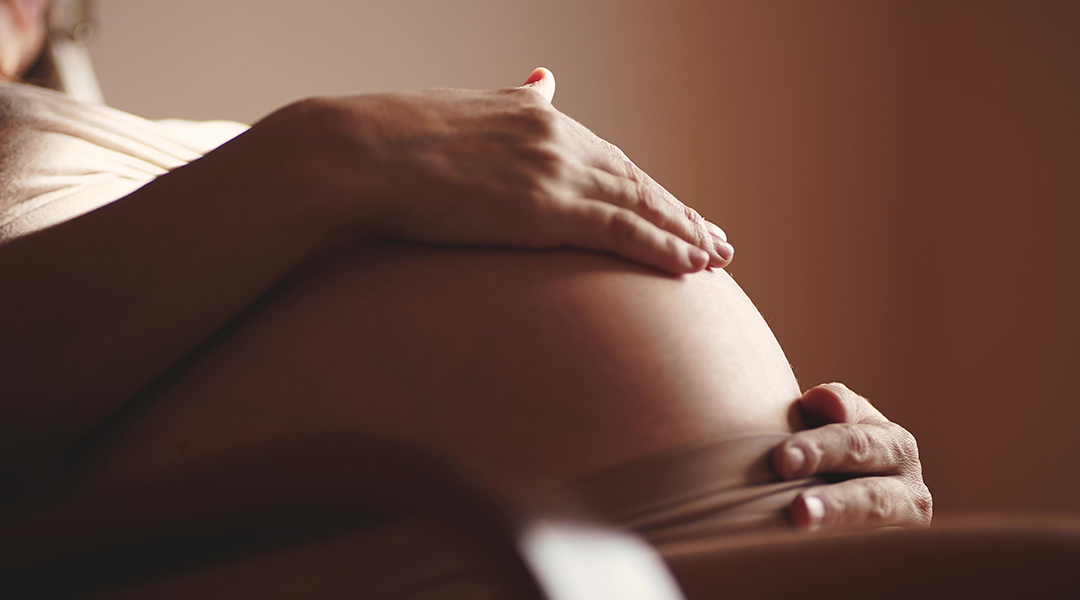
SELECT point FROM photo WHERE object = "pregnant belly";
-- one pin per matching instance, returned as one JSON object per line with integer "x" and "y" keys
{"x": 552, "y": 364}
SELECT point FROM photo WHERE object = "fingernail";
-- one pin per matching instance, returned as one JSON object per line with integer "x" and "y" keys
{"x": 716, "y": 231}
{"x": 815, "y": 511}
{"x": 796, "y": 458}
{"x": 724, "y": 249}
{"x": 698, "y": 258}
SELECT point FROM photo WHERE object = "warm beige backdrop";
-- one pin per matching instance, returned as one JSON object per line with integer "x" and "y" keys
{"x": 901, "y": 179}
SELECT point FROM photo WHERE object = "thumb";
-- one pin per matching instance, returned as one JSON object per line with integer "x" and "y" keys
{"x": 543, "y": 82}
{"x": 836, "y": 403}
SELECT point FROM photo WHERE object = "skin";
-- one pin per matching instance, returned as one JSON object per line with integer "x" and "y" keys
{"x": 444, "y": 167}
{"x": 306, "y": 180}
{"x": 544, "y": 366}
{"x": 21, "y": 35}
{"x": 850, "y": 437}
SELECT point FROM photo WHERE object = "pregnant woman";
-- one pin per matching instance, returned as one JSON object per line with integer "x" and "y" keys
{"x": 403, "y": 266}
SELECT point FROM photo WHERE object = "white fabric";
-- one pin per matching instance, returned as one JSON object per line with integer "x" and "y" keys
{"x": 60, "y": 158}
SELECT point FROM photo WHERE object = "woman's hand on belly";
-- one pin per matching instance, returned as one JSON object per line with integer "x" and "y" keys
{"x": 496, "y": 168}
{"x": 852, "y": 438}
{"x": 94, "y": 309}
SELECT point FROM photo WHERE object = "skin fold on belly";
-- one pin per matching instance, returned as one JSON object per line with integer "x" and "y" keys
{"x": 549, "y": 364}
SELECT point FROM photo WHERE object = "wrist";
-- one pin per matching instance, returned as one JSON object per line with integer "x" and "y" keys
{"x": 331, "y": 153}
{"x": 319, "y": 164}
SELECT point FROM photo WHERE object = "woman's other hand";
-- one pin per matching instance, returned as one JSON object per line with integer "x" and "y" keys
{"x": 852, "y": 438}
{"x": 499, "y": 168}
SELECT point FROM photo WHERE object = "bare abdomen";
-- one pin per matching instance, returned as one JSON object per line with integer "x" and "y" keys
{"x": 553, "y": 364}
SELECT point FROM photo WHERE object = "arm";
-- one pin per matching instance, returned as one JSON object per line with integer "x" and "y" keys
{"x": 94, "y": 309}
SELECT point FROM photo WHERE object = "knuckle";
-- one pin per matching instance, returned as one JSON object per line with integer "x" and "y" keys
{"x": 642, "y": 200}
{"x": 541, "y": 158}
{"x": 903, "y": 446}
{"x": 622, "y": 225}
{"x": 672, "y": 244}
{"x": 541, "y": 194}
{"x": 626, "y": 166}
{"x": 813, "y": 449}
{"x": 907, "y": 442}
{"x": 879, "y": 505}
{"x": 700, "y": 230}
{"x": 924, "y": 505}
{"x": 628, "y": 189}
{"x": 859, "y": 444}
{"x": 535, "y": 119}
{"x": 692, "y": 215}
{"x": 615, "y": 151}
{"x": 639, "y": 194}
{"x": 837, "y": 508}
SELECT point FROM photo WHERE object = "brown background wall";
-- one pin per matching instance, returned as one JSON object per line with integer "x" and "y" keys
{"x": 901, "y": 179}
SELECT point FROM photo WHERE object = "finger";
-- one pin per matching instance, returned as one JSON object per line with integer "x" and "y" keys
{"x": 836, "y": 403}
{"x": 603, "y": 155}
{"x": 543, "y": 81}
{"x": 716, "y": 231}
{"x": 634, "y": 173}
{"x": 643, "y": 200}
{"x": 861, "y": 504}
{"x": 846, "y": 448}
{"x": 601, "y": 226}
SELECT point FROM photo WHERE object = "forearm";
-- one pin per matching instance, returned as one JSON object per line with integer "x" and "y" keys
{"x": 94, "y": 309}
{"x": 102, "y": 304}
